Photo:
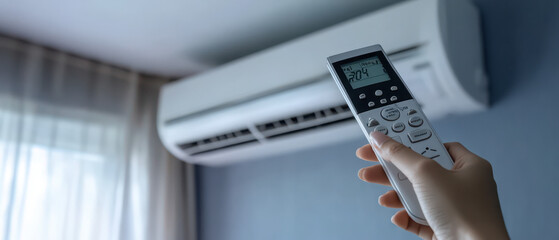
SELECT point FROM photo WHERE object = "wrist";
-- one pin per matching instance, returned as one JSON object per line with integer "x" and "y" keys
{"x": 484, "y": 230}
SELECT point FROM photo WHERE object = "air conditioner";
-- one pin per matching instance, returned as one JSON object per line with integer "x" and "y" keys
{"x": 283, "y": 98}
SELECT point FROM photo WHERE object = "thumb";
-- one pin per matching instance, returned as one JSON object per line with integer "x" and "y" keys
{"x": 410, "y": 163}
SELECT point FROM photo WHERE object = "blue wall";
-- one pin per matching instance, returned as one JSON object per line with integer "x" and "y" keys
{"x": 315, "y": 194}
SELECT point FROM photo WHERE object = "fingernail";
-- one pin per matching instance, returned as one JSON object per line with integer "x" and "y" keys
{"x": 392, "y": 219}
{"x": 378, "y": 200}
{"x": 360, "y": 173}
{"x": 379, "y": 138}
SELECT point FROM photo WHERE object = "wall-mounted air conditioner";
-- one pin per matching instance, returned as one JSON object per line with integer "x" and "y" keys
{"x": 283, "y": 99}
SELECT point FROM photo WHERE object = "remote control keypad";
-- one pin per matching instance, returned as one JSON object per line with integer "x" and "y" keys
{"x": 391, "y": 114}
{"x": 406, "y": 124}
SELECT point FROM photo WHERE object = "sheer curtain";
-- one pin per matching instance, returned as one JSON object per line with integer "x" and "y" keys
{"x": 79, "y": 154}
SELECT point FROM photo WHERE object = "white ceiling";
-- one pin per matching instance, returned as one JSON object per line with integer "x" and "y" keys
{"x": 171, "y": 38}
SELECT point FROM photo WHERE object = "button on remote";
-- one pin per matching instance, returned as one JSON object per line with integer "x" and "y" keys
{"x": 383, "y": 101}
{"x": 378, "y": 93}
{"x": 412, "y": 111}
{"x": 381, "y": 129}
{"x": 372, "y": 122}
{"x": 390, "y": 113}
{"x": 393, "y": 88}
{"x": 393, "y": 98}
{"x": 362, "y": 96}
{"x": 371, "y": 104}
{"x": 419, "y": 135}
{"x": 415, "y": 121}
{"x": 398, "y": 127}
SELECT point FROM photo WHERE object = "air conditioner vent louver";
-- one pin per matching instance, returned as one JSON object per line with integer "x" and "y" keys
{"x": 226, "y": 140}
{"x": 269, "y": 130}
{"x": 306, "y": 121}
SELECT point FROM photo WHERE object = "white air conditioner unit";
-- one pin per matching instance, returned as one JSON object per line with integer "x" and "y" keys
{"x": 283, "y": 98}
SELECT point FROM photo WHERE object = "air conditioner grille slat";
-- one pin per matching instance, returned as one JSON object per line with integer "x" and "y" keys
{"x": 217, "y": 142}
{"x": 224, "y": 147}
{"x": 310, "y": 127}
{"x": 269, "y": 130}
{"x": 305, "y": 121}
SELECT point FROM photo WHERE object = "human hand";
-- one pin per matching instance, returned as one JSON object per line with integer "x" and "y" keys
{"x": 460, "y": 203}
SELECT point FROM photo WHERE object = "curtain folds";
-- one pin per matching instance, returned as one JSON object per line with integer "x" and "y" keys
{"x": 80, "y": 157}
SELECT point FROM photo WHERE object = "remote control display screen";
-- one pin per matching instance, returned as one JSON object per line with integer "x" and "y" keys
{"x": 365, "y": 72}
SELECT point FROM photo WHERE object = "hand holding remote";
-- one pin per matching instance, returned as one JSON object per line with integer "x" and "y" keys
{"x": 460, "y": 203}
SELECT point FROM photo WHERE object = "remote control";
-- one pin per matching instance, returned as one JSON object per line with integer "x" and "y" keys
{"x": 381, "y": 101}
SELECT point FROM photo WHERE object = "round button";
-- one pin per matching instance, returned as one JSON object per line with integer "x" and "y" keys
{"x": 378, "y": 93}
{"x": 415, "y": 121}
{"x": 393, "y": 88}
{"x": 371, "y": 104}
{"x": 381, "y": 129}
{"x": 362, "y": 96}
{"x": 390, "y": 113}
{"x": 383, "y": 101}
{"x": 393, "y": 98}
{"x": 398, "y": 127}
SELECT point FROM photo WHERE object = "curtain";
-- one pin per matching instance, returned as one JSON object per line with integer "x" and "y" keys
{"x": 79, "y": 153}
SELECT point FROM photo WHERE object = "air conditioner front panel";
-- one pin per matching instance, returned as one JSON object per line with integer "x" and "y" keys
{"x": 302, "y": 60}
{"x": 283, "y": 99}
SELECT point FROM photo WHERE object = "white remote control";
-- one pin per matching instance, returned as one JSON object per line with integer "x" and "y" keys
{"x": 381, "y": 101}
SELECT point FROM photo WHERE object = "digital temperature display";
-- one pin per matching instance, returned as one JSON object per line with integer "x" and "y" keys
{"x": 365, "y": 72}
